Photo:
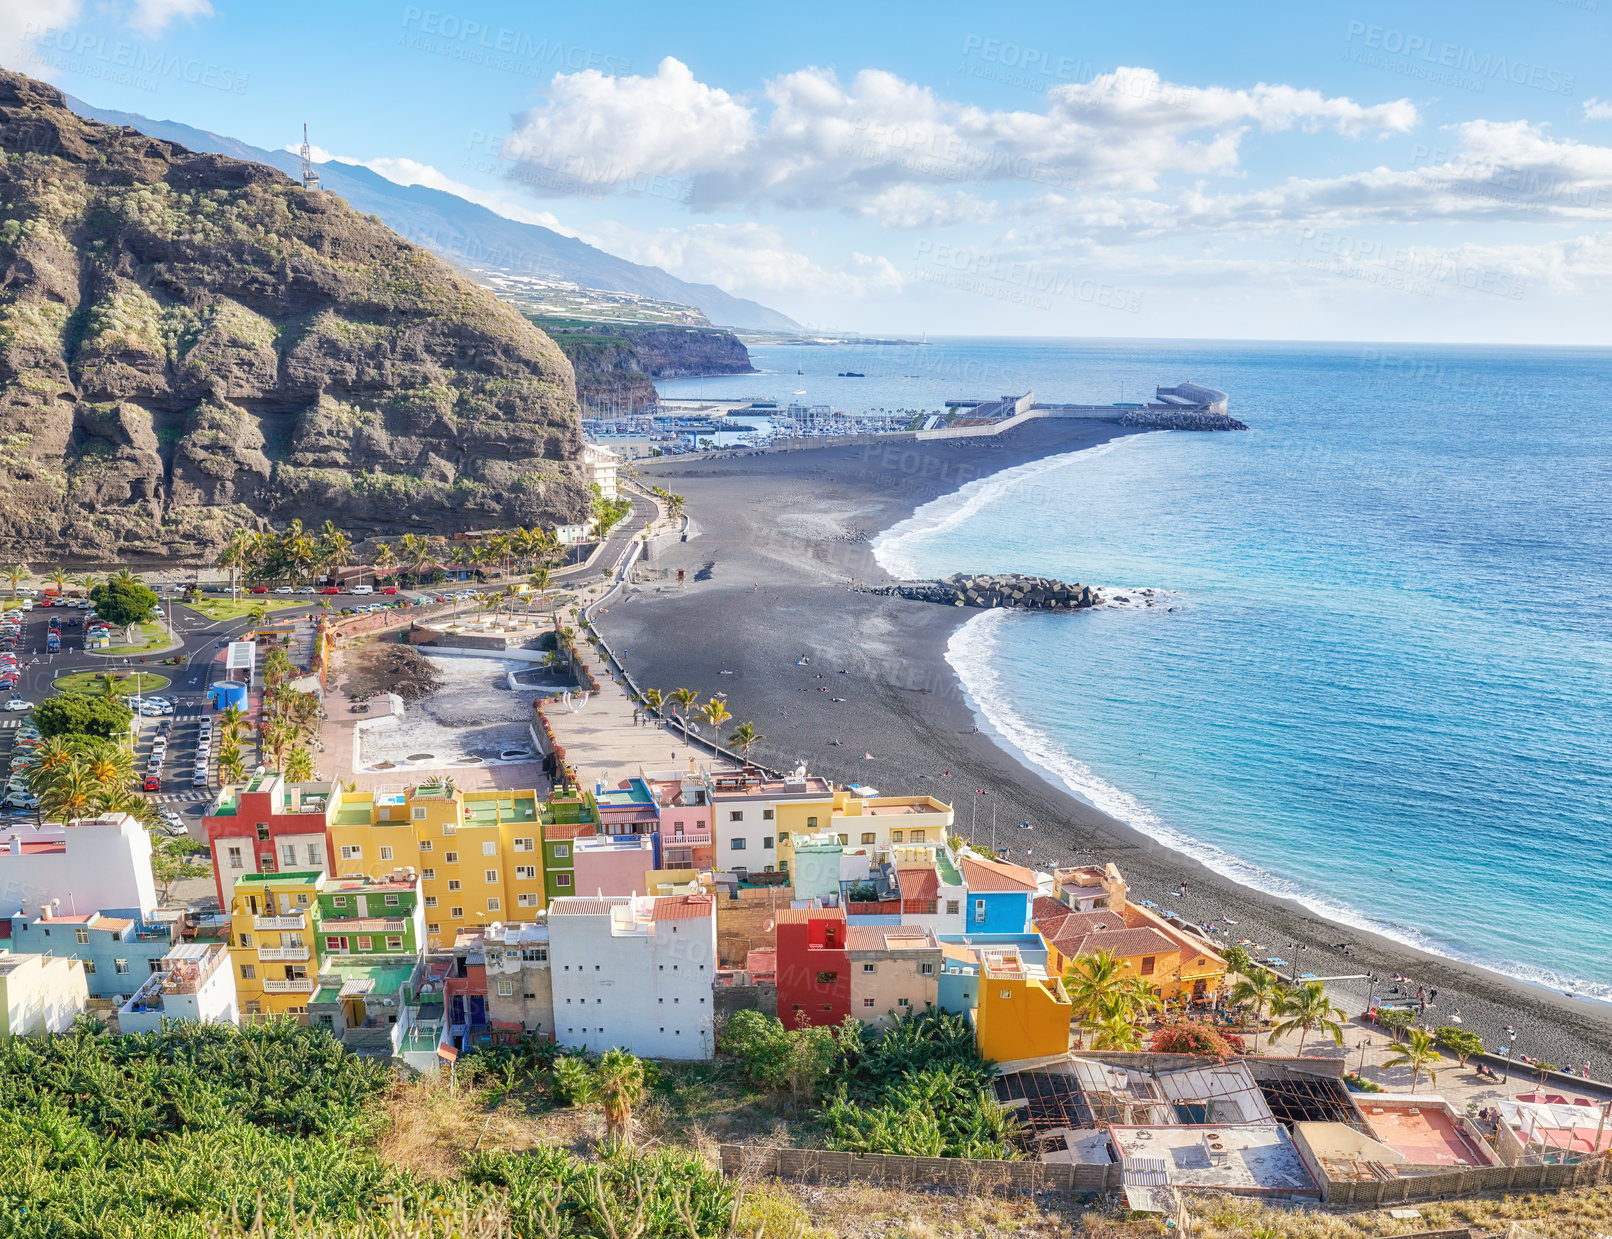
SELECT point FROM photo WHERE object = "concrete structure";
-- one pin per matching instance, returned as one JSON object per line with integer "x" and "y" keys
{"x": 119, "y": 953}
{"x": 267, "y": 824}
{"x": 1022, "y": 1012}
{"x": 753, "y": 812}
{"x": 612, "y": 864}
{"x": 999, "y": 895}
{"x": 601, "y": 466}
{"x": 685, "y": 800}
{"x": 520, "y": 983}
{"x": 895, "y": 971}
{"x": 958, "y": 990}
{"x": 814, "y": 971}
{"x": 635, "y": 973}
{"x": 565, "y": 819}
{"x": 194, "y": 982}
{"x": 274, "y": 926}
{"x": 1425, "y": 1130}
{"x": 1547, "y": 1130}
{"x": 1241, "y": 1160}
{"x": 40, "y": 994}
{"x": 933, "y": 893}
{"x": 100, "y": 863}
{"x": 817, "y": 866}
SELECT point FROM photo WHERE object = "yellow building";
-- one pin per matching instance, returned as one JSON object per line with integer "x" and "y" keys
{"x": 274, "y": 921}
{"x": 863, "y": 821}
{"x": 479, "y": 854}
{"x": 1022, "y": 1012}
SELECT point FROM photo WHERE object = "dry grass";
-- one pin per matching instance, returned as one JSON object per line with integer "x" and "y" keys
{"x": 432, "y": 1123}
{"x": 1585, "y": 1214}
{"x": 779, "y": 1210}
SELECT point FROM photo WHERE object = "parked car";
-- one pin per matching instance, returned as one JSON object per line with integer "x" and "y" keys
{"x": 284, "y": 589}
{"x": 18, "y": 704}
{"x": 330, "y": 589}
{"x": 307, "y": 589}
{"x": 151, "y": 783}
{"x": 200, "y": 779}
{"x": 389, "y": 589}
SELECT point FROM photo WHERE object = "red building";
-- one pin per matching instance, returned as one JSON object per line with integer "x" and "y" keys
{"x": 267, "y": 825}
{"x": 814, "y": 972}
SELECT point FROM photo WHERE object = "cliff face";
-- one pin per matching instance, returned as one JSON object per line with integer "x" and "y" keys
{"x": 615, "y": 362}
{"x": 191, "y": 344}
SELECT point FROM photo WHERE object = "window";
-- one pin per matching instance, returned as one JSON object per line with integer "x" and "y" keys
{"x": 288, "y": 854}
{"x": 120, "y": 965}
{"x": 979, "y": 909}
{"x": 430, "y": 901}
{"x": 766, "y": 843}
{"x": 489, "y": 848}
{"x": 562, "y": 879}
{"x": 562, "y": 850}
{"x": 895, "y": 836}
{"x": 333, "y": 944}
{"x": 736, "y": 815}
{"x": 89, "y": 967}
{"x": 927, "y": 970}
{"x": 246, "y": 940}
{"x": 951, "y": 907}
{"x": 764, "y": 869}
{"x": 386, "y": 853}
{"x": 450, "y": 858}
{"x": 869, "y": 837}
{"x": 523, "y": 845}
{"x": 492, "y": 903}
{"x": 766, "y": 815}
{"x": 527, "y": 899}
{"x": 525, "y": 872}
{"x": 450, "y": 828}
{"x": 1148, "y": 962}
{"x": 391, "y": 901}
{"x": 917, "y": 836}
{"x": 783, "y": 837}
{"x": 419, "y": 813}
{"x": 394, "y": 942}
{"x": 458, "y": 914}
{"x": 811, "y": 823}
{"x": 827, "y": 978}
{"x": 248, "y": 972}
{"x": 82, "y": 934}
{"x": 425, "y": 845}
{"x": 453, "y": 884}
{"x": 338, "y": 901}
{"x": 366, "y": 943}
{"x": 741, "y": 870}
{"x": 903, "y": 1002}
{"x": 845, "y": 839}
{"x": 868, "y": 968}
{"x": 428, "y": 875}
{"x": 867, "y": 1002}
{"x": 535, "y": 954}
{"x": 235, "y": 858}
{"x": 262, "y": 832}
{"x": 489, "y": 876}
{"x": 316, "y": 855}
{"x": 506, "y": 989}
{"x": 737, "y": 845}
{"x": 352, "y": 851}
{"x": 302, "y": 898}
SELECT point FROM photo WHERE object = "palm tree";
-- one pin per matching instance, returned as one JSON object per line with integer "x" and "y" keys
{"x": 541, "y": 579}
{"x": 335, "y": 549}
{"x": 111, "y": 765}
{"x": 715, "y": 713}
{"x": 299, "y": 766}
{"x": 259, "y": 613}
{"x": 1115, "y": 1032}
{"x": 654, "y": 699}
{"x": 618, "y": 1083}
{"x": 682, "y": 699}
{"x": 69, "y": 795}
{"x": 236, "y": 555}
{"x": 744, "y": 737}
{"x": 383, "y": 558}
{"x": 232, "y": 723}
{"x": 1308, "y": 1009}
{"x": 1094, "y": 983}
{"x": 108, "y": 683}
{"x": 16, "y": 574}
{"x": 277, "y": 736}
{"x": 1260, "y": 988}
{"x": 54, "y": 754}
{"x": 1418, "y": 1054}
{"x": 230, "y": 769}
{"x": 57, "y": 576}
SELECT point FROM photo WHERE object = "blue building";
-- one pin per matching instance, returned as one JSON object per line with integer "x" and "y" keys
{"x": 119, "y": 952}
{"x": 1000, "y": 896}
{"x": 958, "y": 988}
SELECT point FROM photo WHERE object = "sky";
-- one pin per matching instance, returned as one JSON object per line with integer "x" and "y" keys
{"x": 1345, "y": 171}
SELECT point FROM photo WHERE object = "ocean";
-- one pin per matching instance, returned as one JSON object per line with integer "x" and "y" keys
{"x": 1376, "y": 674}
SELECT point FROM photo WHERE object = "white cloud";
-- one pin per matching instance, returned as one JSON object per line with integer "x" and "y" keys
{"x": 22, "y": 23}
{"x": 749, "y": 259}
{"x": 152, "y": 16}
{"x": 1597, "y": 109}
{"x": 864, "y": 146}
{"x": 599, "y": 130}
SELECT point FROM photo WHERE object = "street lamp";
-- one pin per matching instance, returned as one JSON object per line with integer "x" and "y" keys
{"x": 1371, "y": 988}
{"x": 1510, "y": 1045}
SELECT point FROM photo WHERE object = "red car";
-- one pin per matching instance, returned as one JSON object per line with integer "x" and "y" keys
{"x": 260, "y": 589}
{"x": 390, "y": 589}
{"x": 330, "y": 589}
{"x": 152, "y": 783}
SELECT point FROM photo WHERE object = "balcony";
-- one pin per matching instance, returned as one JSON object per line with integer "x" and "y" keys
{"x": 297, "y": 985}
{"x": 689, "y": 838}
{"x": 290, "y": 954}
{"x": 279, "y": 922}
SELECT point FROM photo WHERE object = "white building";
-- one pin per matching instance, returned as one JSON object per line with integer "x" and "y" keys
{"x": 634, "y": 972}
{"x": 194, "y": 982}
{"x": 101, "y": 864}
{"x": 40, "y": 994}
{"x": 601, "y": 465}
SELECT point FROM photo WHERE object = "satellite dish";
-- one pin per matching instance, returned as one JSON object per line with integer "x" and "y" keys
{"x": 768, "y": 927}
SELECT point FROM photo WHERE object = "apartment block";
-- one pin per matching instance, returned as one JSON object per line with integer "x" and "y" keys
{"x": 1022, "y": 1013}
{"x": 814, "y": 970}
{"x": 685, "y": 800}
{"x": 634, "y": 972}
{"x": 119, "y": 953}
{"x": 274, "y": 922}
{"x": 499, "y": 981}
{"x": 40, "y": 994}
{"x": 101, "y": 863}
{"x": 565, "y": 819}
{"x": 895, "y": 971}
{"x": 194, "y": 981}
{"x": 613, "y": 864}
{"x": 751, "y": 810}
{"x": 269, "y": 825}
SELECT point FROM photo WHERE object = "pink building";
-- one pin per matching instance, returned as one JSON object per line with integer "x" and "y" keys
{"x": 685, "y": 801}
{"x": 612, "y": 864}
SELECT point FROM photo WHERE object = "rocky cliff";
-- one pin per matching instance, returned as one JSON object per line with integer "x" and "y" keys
{"x": 191, "y": 344}
{"x": 615, "y": 363}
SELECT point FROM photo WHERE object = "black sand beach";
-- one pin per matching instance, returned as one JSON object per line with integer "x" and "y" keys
{"x": 782, "y": 536}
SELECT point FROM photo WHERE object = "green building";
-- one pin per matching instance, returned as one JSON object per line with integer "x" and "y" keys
{"x": 565, "y": 819}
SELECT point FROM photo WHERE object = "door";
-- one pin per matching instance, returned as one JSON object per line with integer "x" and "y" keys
{"x": 456, "y": 1010}
{"x": 478, "y": 1009}
{"x": 1197, "y": 990}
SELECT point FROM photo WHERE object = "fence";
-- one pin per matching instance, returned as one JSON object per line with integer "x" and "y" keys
{"x": 823, "y": 1165}
{"x": 1471, "y": 1182}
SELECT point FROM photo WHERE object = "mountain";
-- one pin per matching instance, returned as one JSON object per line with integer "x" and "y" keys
{"x": 471, "y": 235}
{"x": 191, "y": 343}
{"x": 616, "y": 363}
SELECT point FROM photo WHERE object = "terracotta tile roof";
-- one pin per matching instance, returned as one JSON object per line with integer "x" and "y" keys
{"x": 1057, "y": 920}
{"x": 918, "y": 881}
{"x": 558, "y": 832}
{"x": 995, "y": 875}
{"x": 885, "y": 937}
{"x": 683, "y": 908}
{"x": 577, "y": 905}
{"x": 804, "y": 916}
{"x": 1125, "y": 943}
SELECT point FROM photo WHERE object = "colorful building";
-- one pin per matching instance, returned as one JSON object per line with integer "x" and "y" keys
{"x": 752, "y": 811}
{"x": 1000, "y": 895}
{"x": 630, "y": 809}
{"x": 565, "y": 819}
{"x": 274, "y": 923}
{"x": 267, "y": 825}
{"x": 685, "y": 800}
{"x": 119, "y": 953}
{"x": 193, "y": 982}
{"x": 613, "y": 864}
{"x": 1022, "y": 1012}
{"x": 814, "y": 971}
{"x": 40, "y": 994}
{"x": 634, "y": 972}
{"x": 499, "y": 982}
{"x": 895, "y": 971}
{"x": 101, "y": 863}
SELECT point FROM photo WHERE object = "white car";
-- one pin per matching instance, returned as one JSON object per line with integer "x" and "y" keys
{"x": 27, "y": 591}
{"x": 284, "y": 589}
{"x": 306, "y": 589}
{"x": 15, "y": 704}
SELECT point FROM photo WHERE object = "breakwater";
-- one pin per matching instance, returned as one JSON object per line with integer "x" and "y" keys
{"x": 1029, "y": 593}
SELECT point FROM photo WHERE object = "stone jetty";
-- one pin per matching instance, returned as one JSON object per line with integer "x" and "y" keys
{"x": 1030, "y": 593}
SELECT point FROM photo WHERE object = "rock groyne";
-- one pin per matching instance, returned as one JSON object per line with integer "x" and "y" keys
{"x": 1029, "y": 593}
{"x": 1186, "y": 419}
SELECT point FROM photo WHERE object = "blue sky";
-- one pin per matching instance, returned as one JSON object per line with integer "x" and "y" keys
{"x": 1356, "y": 171}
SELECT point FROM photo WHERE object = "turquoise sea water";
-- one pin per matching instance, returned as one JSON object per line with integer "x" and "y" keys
{"x": 1378, "y": 674}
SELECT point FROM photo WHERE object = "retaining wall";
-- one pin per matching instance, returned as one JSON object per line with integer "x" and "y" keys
{"x": 823, "y": 1165}
{"x": 1472, "y": 1182}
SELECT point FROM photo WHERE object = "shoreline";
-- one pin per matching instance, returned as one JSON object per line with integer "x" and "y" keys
{"x": 786, "y": 535}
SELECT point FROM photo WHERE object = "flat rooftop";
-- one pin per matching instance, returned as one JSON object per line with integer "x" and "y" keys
{"x": 1258, "y": 1157}
{"x": 1425, "y": 1134}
